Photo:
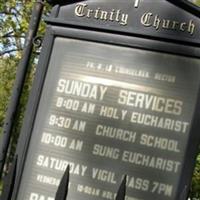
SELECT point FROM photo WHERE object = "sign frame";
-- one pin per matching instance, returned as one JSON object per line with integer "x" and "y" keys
{"x": 117, "y": 39}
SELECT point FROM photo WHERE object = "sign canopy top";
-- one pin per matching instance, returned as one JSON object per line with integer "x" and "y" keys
{"x": 148, "y": 18}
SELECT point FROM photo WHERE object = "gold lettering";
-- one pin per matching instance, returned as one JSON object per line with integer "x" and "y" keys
{"x": 174, "y": 24}
{"x": 117, "y": 15}
{"x": 104, "y": 15}
{"x": 191, "y": 27}
{"x": 145, "y": 20}
{"x": 89, "y": 13}
{"x": 80, "y": 9}
{"x": 111, "y": 15}
{"x": 166, "y": 24}
{"x": 151, "y": 20}
{"x": 156, "y": 23}
{"x": 182, "y": 26}
{"x": 96, "y": 13}
{"x": 124, "y": 20}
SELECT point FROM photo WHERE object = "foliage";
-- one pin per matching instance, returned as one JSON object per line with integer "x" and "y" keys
{"x": 7, "y": 71}
{"x": 197, "y": 2}
{"x": 195, "y": 186}
{"x": 14, "y": 22}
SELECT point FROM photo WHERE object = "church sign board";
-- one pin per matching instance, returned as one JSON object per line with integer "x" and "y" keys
{"x": 116, "y": 93}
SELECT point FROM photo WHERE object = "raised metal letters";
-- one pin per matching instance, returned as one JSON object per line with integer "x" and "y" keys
{"x": 113, "y": 15}
{"x": 153, "y": 20}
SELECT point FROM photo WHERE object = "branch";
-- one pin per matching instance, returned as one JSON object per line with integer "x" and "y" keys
{"x": 17, "y": 12}
{"x": 9, "y": 51}
{"x": 7, "y": 34}
{"x": 13, "y": 36}
{"x": 5, "y": 12}
{"x": 8, "y": 11}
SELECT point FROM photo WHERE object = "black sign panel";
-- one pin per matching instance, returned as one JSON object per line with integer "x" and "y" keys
{"x": 108, "y": 111}
{"x": 150, "y": 18}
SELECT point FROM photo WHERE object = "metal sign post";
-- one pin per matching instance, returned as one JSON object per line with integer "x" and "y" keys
{"x": 19, "y": 82}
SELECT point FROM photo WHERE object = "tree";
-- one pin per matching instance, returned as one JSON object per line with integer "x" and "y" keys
{"x": 195, "y": 187}
{"x": 14, "y": 22}
{"x": 8, "y": 72}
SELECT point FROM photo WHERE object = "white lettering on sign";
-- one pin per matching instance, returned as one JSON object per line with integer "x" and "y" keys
{"x": 60, "y": 165}
{"x": 69, "y": 104}
{"x": 104, "y": 67}
{"x": 99, "y": 66}
{"x": 115, "y": 133}
{"x": 151, "y": 161}
{"x": 150, "y": 102}
{"x": 105, "y": 151}
{"x": 81, "y": 89}
{"x": 57, "y": 140}
{"x": 48, "y": 180}
{"x": 88, "y": 190}
{"x": 66, "y": 122}
{"x": 76, "y": 145}
{"x": 106, "y": 194}
{"x": 60, "y": 121}
{"x": 162, "y": 188}
{"x": 79, "y": 125}
{"x": 159, "y": 122}
{"x": 165, "y": 77}
{"x": 137, "y": 183}
{"x": 88, "y": 108}
{"x": 159, "y": 142}
{"x": 112, "y": 112}
{"x": 103, "y": 175}
{"x": 36, "y": 196}
{"x": 62, "y": 141}
{"x": 132, "y": 72}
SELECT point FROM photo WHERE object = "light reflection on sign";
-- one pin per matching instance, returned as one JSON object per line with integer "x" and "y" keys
{"x": 108, "y": 111}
